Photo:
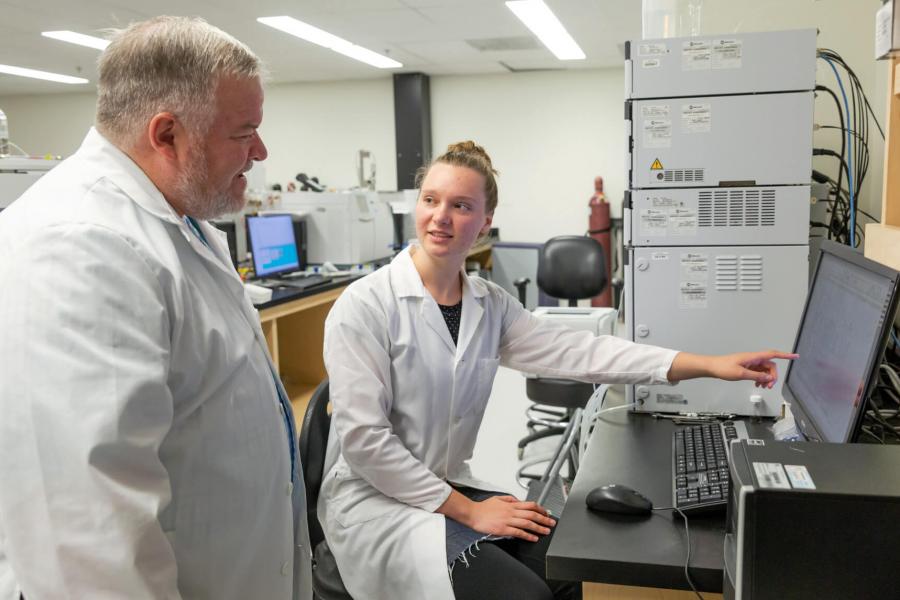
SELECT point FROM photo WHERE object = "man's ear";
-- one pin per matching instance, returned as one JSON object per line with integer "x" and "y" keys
{"x": 162, "y": 132}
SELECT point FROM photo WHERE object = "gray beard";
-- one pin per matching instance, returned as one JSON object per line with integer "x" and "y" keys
{"x": 199, "y": 198}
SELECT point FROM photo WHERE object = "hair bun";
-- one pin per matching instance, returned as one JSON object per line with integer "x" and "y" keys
{"x": 469, "y": 148}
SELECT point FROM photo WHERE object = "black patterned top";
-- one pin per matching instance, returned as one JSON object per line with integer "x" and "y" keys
{"x": 452, "y": 315}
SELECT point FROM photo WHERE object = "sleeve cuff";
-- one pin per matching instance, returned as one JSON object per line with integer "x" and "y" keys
{"x": 439, "y": 500}
{"x": 661, "y": 375}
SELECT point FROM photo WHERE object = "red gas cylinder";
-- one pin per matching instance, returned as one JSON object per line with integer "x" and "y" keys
{"x": 598, "y": 228}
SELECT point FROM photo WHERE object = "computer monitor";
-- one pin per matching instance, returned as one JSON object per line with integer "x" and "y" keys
{"x": 229, "y": 228}
{"x": 846, "y": 322}
{"x": 273, "y": 245}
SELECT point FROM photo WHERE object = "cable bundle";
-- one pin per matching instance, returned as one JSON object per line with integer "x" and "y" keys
{"x": 854, "y": 116}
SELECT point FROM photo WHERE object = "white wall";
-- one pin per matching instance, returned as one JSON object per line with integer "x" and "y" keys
{"x": 50, "y": 123}
{"x": 548, "y": 133}
{"x": 314, "y": 128}
{"x": 317, "y": 129}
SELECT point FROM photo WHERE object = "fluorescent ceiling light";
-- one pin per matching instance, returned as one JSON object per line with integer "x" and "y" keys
{"x": 77, "y": 38}
{"x": 315, "y": 35}
{"x": 544, "y": 24}
{"x": 22, "y": 72}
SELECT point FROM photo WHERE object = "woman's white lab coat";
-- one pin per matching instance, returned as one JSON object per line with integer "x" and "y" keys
{"x": 408, "y": 404}
{"x": 143, "y": 449}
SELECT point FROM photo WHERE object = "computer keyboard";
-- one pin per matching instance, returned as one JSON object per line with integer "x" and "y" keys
{"x": 297, "y": 282}
{"x": 700, "y": 477}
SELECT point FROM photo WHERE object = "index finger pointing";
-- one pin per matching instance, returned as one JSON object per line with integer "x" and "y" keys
{"x": 784, "y": 355}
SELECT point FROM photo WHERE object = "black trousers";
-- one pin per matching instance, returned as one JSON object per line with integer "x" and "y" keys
{"x": 511, "y": 568}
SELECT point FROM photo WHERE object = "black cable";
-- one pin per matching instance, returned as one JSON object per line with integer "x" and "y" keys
{"x": 831, "y": 54}
{"x": 687, "y": 559}
{"x": 840, "y": 111}
{"x": 850, "y": 131}
{"x": 866, "y": 430}
{"x": 874, "y": 415}
{"x": 830, "y": 152}
{"x": 860, "y": 113}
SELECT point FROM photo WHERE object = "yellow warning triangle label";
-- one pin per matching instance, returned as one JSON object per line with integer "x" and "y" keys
{"x": 656, "y": 166}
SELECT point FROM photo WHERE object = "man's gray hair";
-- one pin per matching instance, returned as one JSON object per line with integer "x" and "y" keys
{"x": 166, "y": 64}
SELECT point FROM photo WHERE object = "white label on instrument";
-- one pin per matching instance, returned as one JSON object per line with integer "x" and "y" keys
{"x": 650, "y": 63}
{"x": 693, "y": 294}
{"x": 800, "y": 477}
{"x": 657, "y": 133}
{"x": 655, "y": 111}
{"x": 695, "y": 55}
{"x": 726, "y": 54}
{"x": 694, "y": 267}
{"x": 654, "y": 222}
{"x": 659, "y": 256}
{"x": 696, "y": 118}
{"x": 671, "y": 399}
{"x": 682, "y": 221}
{"x": 652, "y": 49}
{"x": 661, "y": 201}
{"x": 771, "y": 475}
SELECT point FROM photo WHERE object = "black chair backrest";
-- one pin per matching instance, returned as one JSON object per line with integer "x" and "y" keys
{"x": 313, "y": 443}
{"x": 571, "y": 267}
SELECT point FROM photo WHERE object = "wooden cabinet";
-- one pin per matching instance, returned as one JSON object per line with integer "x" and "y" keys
{"x": 883, "y": 239}
{"x": 295, "y": 332}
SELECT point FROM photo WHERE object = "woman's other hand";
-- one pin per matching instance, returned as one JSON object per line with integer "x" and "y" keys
{"x": 509, "y": 516}
{"x": 499, "y": 515}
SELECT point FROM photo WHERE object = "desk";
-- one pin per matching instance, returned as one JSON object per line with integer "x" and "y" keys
{"x": 294, "y": 325}
{"x": 635, "y": 450}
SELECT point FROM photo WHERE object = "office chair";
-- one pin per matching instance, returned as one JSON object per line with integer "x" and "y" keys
{"x": 327, "y": 584}
{"x": 572, "y": 268}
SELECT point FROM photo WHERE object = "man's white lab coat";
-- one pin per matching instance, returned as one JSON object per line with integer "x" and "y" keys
{"x": 143, "y": 450}
{"x": 407, "y": 407}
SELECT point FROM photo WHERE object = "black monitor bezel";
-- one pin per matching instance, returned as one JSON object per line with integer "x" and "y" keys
{"x": 273, "y": 274}
{"x": 807, "y": 426}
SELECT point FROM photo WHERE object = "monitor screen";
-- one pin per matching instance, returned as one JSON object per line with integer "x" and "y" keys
{"x": 273, "y": 245}
{"x": 849, "y": 312}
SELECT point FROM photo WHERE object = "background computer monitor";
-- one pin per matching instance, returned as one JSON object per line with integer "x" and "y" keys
{"x": 846, "y": 322}
{"x": 229, "y": 227}
{"x": 273, "y": 245}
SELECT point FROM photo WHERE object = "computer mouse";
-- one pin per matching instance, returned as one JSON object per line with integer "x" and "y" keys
{"x": 616, "y": 498}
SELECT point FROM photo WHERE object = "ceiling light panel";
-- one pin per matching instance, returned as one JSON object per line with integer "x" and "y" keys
{"x": 538, "y": 17}
{"x": 322, "y": 38}
{"x": 77, "y": 38}
{"x": 46, "y": 76}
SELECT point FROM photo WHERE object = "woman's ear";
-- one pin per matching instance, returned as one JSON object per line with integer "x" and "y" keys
{"x": 487, "y": 223}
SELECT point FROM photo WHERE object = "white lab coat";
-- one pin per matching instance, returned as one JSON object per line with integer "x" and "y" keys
{"x": 407, "y": 405}
{"x": 143, "y": 449}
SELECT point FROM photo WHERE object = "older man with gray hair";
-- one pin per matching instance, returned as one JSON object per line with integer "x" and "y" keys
{"x": 147, "y": 447}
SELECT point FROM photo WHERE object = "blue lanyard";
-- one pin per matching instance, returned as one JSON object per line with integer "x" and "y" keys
{"x": 283, "y": 402}
{"x": 195, "y": 227}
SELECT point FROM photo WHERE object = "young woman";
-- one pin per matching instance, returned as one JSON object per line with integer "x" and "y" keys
{"x": 411, "y": 352}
